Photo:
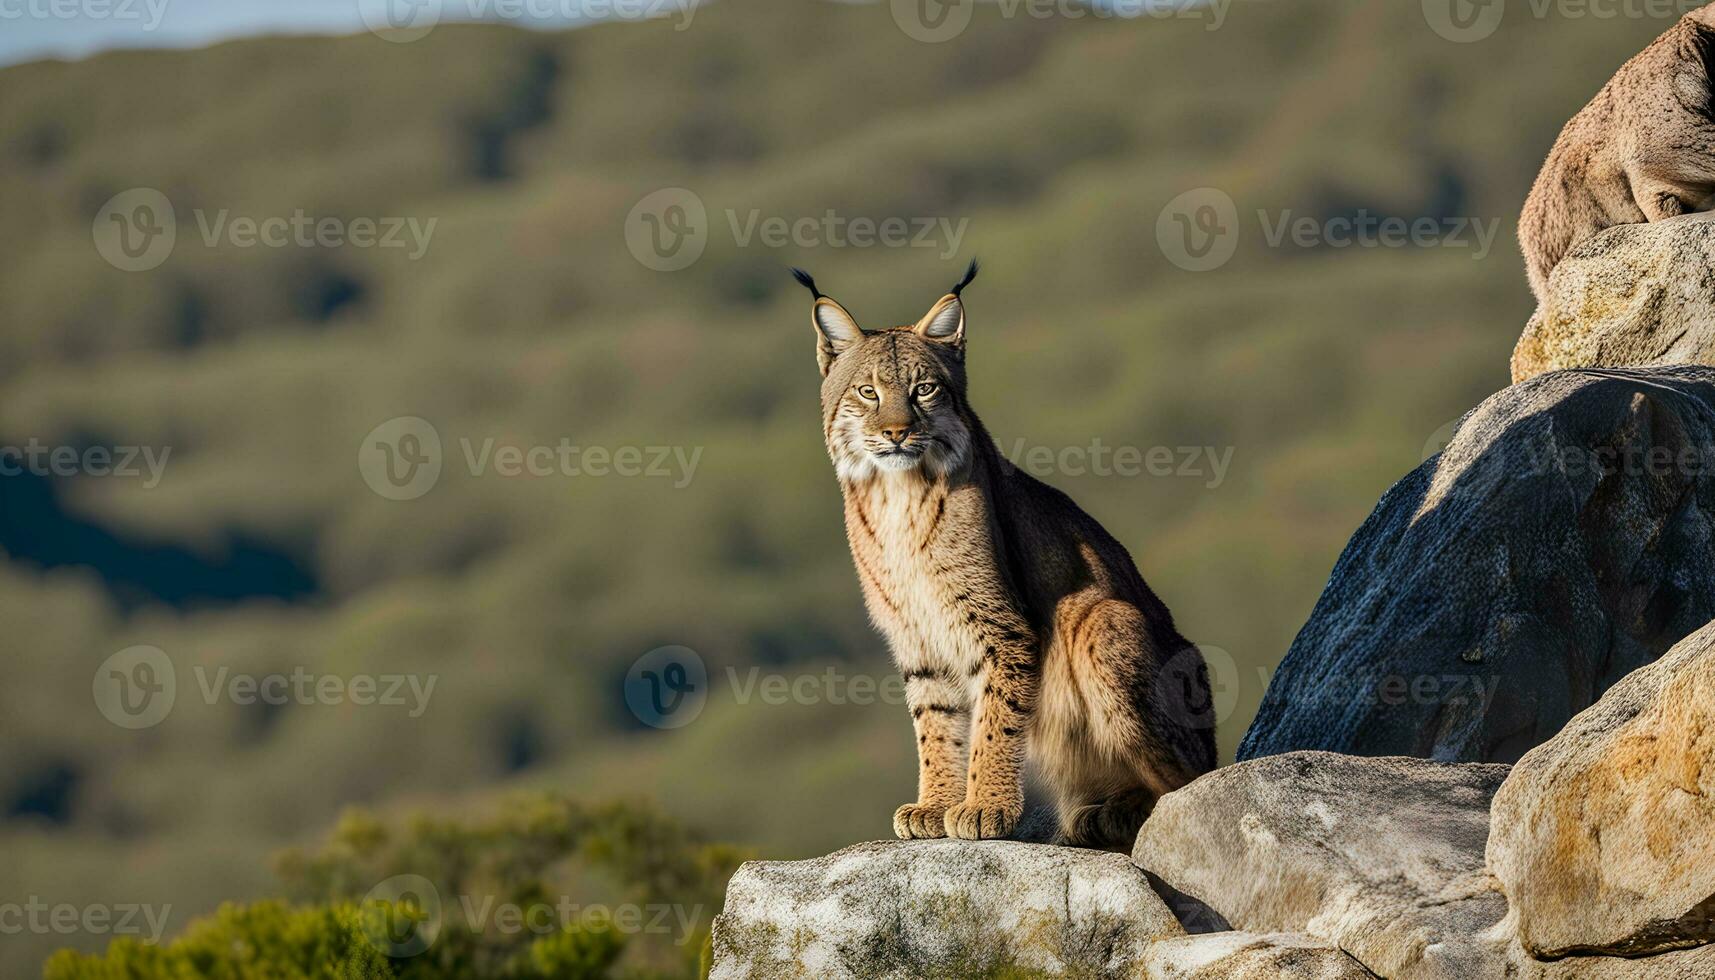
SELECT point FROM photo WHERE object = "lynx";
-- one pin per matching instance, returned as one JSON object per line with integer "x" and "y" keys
{"x": 1642, "y": 150}
{"x": 1017, "y": 622}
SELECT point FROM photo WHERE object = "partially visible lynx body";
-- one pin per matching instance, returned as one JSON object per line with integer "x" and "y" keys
{"x": 1642, "y": 150}
{"x": 1014, "y": 617}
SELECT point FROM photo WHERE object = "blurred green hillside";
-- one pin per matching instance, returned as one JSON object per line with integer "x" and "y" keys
{"x": 528, "y": 320}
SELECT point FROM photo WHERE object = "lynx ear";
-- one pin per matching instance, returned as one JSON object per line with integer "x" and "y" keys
{"x": 836, "y": 329}
{"x": 945, "y": 321}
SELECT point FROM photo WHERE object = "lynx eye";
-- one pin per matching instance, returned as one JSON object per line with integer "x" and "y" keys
{"x": 868, "y": 391}
{"x": 926, "y": 389}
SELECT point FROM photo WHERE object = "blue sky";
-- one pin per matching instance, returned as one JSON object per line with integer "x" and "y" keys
{"x": 32, "y": 29}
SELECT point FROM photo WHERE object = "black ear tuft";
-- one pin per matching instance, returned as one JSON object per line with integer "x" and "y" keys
{"x": 805, "y": 281}
{"x": 970, "y": 273}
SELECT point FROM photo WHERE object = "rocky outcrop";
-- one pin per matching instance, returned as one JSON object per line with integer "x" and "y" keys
{"x": 940, "y": 908}
{"x": 1561, "y": 541}
{"x": 1248, "y": 956}
{"x": 1604, "y": 836}
{"x": 1382, "y": 857}
{"x": 1635, "y": 295}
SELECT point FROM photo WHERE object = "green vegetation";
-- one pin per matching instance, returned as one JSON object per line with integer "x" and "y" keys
{"x": 1325, "y": 370}
{"x": 483, "y": 899}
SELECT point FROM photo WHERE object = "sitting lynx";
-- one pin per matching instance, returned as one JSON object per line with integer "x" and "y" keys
{"x": 1013, "y": 616}
{"x": 1642, "y": 150}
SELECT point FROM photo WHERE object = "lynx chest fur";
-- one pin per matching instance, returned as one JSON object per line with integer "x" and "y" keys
{"x": 923, "y": 554}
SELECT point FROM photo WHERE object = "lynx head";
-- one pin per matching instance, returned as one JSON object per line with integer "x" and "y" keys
{"x": 893, "y": 400}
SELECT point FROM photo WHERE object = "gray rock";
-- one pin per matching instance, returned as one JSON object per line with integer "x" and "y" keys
{"x": 1249, "y": 956}
{"x": 1383, "y": 857}
{"x": 1604, "y": 836}
{"x": 1633, "y": 296}
{"x": 1691, "y": 964}
{"x": 944, "y": 908}
{"x": 1561, "y": 541}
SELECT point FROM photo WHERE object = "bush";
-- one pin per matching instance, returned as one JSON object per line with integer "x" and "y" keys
{"x": 445, "y": 899}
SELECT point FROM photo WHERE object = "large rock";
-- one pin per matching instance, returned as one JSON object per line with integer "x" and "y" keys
{"x": 1690, "y": 964}
{"x": 1561, "y": 541}
{"x": 1383, "y": 857}
{"x": 1248, "y": 956}
{"x": 942, "y": 908}
{"x": 1604, "y": 836}
{"x": 1635, "y": 295}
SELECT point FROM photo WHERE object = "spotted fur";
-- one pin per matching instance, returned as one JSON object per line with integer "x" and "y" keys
{"x": 1018, "y": 623}
{"x": 1642, "y": 150}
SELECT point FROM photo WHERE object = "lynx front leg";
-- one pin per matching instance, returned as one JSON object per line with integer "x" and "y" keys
{"x": 994, "y": 792}
{"x": 941, "y": 718}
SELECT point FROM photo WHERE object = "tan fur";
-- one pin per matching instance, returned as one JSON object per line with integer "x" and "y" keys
{"x": 1642, "y": 150}
{"x": 1016, "y": 620}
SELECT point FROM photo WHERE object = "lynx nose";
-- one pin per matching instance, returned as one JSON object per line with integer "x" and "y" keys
{"x": 896, "y": 434}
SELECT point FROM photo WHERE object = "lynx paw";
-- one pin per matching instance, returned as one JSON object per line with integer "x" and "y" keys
{"x": 975, "y": 821}
{"x": 918, "y": 821}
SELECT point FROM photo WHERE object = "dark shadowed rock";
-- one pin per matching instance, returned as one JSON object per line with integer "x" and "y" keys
{"x": 1561, "y": 541}
{"x": 943, "y": 908}
{"x": 1603, "y": 835}
{"x": 1381, "y": 857}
